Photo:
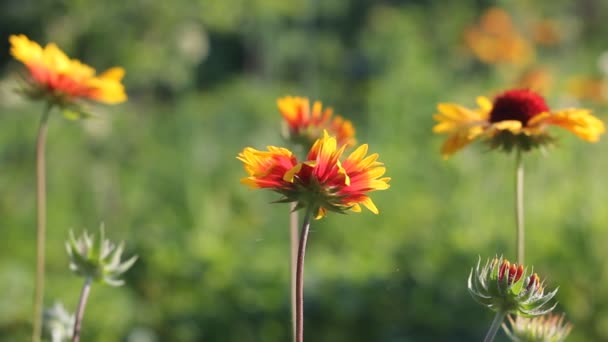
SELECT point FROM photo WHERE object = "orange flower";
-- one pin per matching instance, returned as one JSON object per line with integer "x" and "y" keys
{"x": 304, "y": 126}
{"x": 55, "y": 76}
{"x": 320, "y": 183}
{"x": 495, "y": 40}
{"x": 516, "y": 119}
{"x": 537, "y": 78}
{"x": 546, "y": 32}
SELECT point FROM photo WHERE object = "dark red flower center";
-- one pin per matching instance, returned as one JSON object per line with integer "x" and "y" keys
{"x": 517, "y": 104}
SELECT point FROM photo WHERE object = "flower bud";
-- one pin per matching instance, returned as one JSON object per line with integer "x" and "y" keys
{"x": 505, "y": 287}
{"x": 97, "y": 259}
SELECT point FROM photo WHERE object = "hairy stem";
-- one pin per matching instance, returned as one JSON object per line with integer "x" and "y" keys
{"x": 300, "y": 277}
{"x": 40, "y": 222}
{"x": 500, "y": 316}
{"x": 519, "y": 207}
{"x": 293, "y": 231}
{"x": 84, "y": 295}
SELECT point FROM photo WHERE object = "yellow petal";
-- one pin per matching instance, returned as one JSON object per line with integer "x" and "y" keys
{"x": 115, "y": 74}
{"x": 484, "y": 103}
{"x": 579, "y": 122}
{"x": 290, "y": 175}
{"x": 369, "y": 204}
{"x": 359, "y": 153}
{"x": 513, "y": 126}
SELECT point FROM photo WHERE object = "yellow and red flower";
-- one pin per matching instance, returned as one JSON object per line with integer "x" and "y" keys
{"x": 516, "y": 119}
{"x": 304, "y": 125}
{"x": 55, "y": 76}
{"x": 320, "y": 183}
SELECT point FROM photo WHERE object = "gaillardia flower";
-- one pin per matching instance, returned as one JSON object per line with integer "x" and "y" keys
{"x": 505, "y": 288}
{"x": 515, "y": 119}
{"x": 61, "y": 80}
{"x": 304, "y": 125}
{"x": 548, "y": 328}
{"x": 320, "y": 183}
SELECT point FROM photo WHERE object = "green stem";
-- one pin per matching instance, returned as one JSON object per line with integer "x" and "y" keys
{"x": 293, "y": 231}
{"x": 500, "y": 316}
{"x": 40, "y": 222}
{"x": 84, "y": 295}
{"x": 519, "y": 207}
{"x": 300, "y": 276}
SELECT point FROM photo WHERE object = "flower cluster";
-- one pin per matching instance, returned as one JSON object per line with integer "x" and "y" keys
{"x": 304, "y": 125}
{"x": 505, "y": 287}
{"x": 61, "y": 80}
{"x": 548, "y": 328}
{"x": 98, "y": 259}
{"x": 322, "y": 182}
{"x": 516, "y": 119}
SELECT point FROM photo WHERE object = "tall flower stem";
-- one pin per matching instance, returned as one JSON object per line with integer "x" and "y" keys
{"x": 40, "y": 221}
{"x": 300, "y": 276}
{"x": 84, "y": 295}
{"x": 500, "y": 316}
{"x": 293, "y": 231}
{"x": 519, "y": 206}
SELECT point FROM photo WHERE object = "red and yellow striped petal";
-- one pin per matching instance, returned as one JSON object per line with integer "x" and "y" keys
{"x": 267, "y": 169}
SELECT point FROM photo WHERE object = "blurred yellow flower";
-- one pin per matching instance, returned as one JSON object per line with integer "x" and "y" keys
{"x": 536, "y": 78}
{"x": 494, "y": 40}
{"x": 56, "y": 76}
{"x": 304, "y": 124}
{"x": 546, "y": 32}
{"x": 515, "y": 119}
{"x": 592, "y": 89}
{"x": 322, "y": 182}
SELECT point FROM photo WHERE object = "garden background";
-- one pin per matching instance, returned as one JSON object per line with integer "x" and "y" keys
{"x": 203, "y": 78}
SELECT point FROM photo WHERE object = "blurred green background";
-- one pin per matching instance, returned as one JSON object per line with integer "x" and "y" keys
{"x": 203, "y": 78}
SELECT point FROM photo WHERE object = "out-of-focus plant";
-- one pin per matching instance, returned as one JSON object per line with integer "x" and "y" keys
{"x": 97, "y": 260}
{"x": 58, "y": 323}
{"x": 304, "y": 124}
{"x": 495, "y": 40}
{"x": 547, "y": 328}
{"x": 60, "y": 82}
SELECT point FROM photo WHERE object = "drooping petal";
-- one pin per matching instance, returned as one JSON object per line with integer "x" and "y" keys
{"x": 579, "y": 122}
{"x": 462, "y": 124}
{"x": 460, "y": 139}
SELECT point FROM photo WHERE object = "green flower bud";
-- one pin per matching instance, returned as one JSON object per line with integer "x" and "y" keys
{"x": 97, "y": 259}
{"x": 549, "y": 328}
{"x": 505, "y": 287}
